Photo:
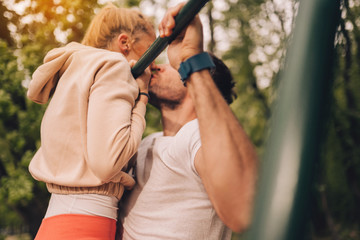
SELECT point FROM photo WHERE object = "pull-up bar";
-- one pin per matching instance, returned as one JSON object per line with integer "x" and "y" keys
{"x": 186, "y": 14}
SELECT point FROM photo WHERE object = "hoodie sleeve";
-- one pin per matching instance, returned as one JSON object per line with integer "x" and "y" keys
{"x": 45, "y": 78}
{"x": 115, "y": 125}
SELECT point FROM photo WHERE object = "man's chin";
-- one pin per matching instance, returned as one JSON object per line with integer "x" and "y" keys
{"x": 153, "y": 99}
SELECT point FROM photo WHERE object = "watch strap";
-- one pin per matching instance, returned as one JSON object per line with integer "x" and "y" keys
{"x": 194, "y": 64}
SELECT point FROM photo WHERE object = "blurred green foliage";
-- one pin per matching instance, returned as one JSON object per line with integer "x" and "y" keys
{"x": 257, "y": 33}
{"x": 19, "y": 135}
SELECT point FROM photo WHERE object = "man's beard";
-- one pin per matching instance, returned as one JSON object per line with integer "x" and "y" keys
{"x": 159, "y": 102}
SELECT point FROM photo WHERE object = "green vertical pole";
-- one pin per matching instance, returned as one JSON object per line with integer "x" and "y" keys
{"x": 282, "y": 201}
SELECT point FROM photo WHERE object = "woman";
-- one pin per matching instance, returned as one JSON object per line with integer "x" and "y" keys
{"x": 93, "y": 124}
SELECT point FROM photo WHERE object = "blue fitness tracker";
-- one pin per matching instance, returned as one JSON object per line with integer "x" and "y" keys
{"x": 194, "y": 64}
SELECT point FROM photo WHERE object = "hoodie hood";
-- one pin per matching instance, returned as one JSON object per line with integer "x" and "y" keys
{"x": 46, "y": 77}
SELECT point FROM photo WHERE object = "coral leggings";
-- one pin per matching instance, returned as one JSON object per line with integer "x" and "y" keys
{"x": 76, "y": 227}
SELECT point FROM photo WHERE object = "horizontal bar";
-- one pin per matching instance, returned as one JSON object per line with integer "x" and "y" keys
{"x": 186, "y": 14}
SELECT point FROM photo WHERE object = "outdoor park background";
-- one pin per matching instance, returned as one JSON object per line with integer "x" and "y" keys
{"x": 251, "y": 36}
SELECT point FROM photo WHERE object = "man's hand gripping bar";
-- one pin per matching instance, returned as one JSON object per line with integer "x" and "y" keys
{"x": 186, "y": 14}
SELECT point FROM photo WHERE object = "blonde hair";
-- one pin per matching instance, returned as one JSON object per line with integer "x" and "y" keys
{"x": 111, "y": 21}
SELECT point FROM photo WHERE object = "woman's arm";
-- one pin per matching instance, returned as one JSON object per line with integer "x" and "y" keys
{"x": 115, "y": 124}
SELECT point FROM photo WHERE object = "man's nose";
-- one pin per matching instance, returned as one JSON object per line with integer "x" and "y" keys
{"x": 155, "y": 68}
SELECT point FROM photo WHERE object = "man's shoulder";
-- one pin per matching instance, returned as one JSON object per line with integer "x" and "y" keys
{"x": 189, "y": 131}
{"x": 193, "y": 124}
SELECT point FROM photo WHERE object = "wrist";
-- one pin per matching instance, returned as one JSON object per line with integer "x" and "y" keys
{"x": 185, "y": 57}
{"x": 146, "y": 94}
{"x": 194, "y": 64}
{"x": 145, "y": 90}
{"x": 143, "y": 99}
{"x": 143, "y": 96}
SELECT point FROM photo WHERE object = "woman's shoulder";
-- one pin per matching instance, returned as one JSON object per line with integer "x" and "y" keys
{"x": 92, "y": 54}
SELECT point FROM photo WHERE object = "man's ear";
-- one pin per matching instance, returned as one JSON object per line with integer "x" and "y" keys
{"x": 123, "y": 42}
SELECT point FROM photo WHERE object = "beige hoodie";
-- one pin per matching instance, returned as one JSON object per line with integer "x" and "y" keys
{"x": 92, "y": 125}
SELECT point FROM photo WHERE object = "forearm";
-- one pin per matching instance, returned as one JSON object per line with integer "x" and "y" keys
{"x": 113, "y": 140}
{"x": 230, "y": 184}
{"x": 228, "y": 160}
{"x": 114, "y": 124}
{"x": 216, "y": 115}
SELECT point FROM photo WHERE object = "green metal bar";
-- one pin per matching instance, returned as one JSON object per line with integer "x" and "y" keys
{"x": 282, "y": 202}
{"x": 186, "y": 14}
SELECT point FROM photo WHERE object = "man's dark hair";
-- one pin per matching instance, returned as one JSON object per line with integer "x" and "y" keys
{"x": 223, "y": 79}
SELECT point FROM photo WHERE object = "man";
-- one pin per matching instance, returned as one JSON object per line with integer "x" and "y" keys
{"x": 196, "y": 179}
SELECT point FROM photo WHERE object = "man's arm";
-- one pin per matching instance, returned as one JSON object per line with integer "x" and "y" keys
{"x": 227, "y": 161}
